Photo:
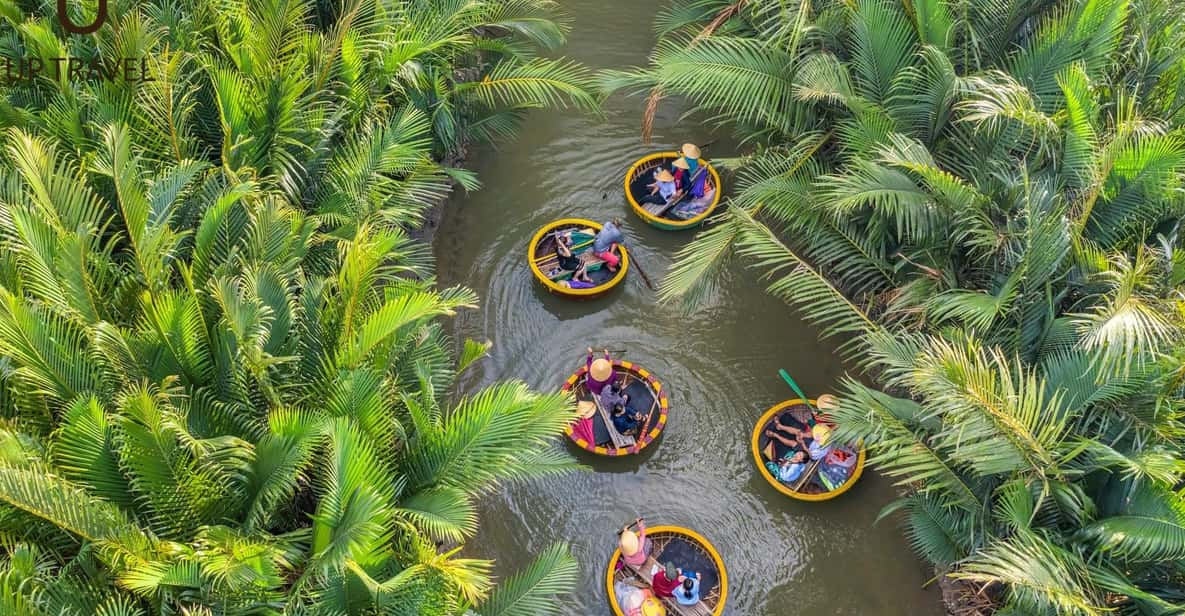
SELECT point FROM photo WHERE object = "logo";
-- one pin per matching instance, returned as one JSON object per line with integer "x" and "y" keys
{"x": 64, "y": 19}
{"x": 91, "y": 68}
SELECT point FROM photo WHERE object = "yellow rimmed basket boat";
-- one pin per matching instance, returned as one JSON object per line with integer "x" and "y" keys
{"x": 641, "y": 174}
{"x": 686, "y": 549}
{"x": 545, "y": 264}
{"x": 646, "y": 396}
{"x": 811, "y": 490}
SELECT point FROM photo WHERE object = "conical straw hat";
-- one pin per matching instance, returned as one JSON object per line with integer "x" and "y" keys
{"x": 585, "y": 409}
{"x": 653, "y": 607}
{"x": 629, "y": 543}
{"x": 827, "y": 402}
{"x": 601, "y": 370}
{"x": 680, "y": 163}
{"x": 690, "y": 150}
{"x": 664, "y": 176}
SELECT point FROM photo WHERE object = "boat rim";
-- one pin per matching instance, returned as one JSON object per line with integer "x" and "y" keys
{"x": 678, "y": 530}
{"x": 651, "y": 218}
{"x": 779, "y": 486}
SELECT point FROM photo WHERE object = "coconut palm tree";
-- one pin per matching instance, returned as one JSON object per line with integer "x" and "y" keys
{"x": 982, "y": 200}
{"x": 246, "y": 415}
{"x": 226, "y": 388}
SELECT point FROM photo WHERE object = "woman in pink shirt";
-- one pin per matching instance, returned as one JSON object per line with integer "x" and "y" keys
{"x": 634, "y": 550}
{"x": 600, "y": 372}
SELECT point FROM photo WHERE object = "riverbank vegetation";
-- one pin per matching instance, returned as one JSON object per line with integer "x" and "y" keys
{"x": 983, "y": 199}
{"x": 224, "y": 384}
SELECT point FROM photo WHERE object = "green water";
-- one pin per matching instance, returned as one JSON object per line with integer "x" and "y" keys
{"x": 719, "y": 364}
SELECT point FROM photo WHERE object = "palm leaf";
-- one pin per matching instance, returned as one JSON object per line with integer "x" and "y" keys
{"x": 533, "y": 591}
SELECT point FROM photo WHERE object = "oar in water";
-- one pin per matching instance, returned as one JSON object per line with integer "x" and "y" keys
{"x": 638, "y": 264}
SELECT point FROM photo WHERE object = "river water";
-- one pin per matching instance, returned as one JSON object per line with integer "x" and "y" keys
{"x": 718, "y": 364}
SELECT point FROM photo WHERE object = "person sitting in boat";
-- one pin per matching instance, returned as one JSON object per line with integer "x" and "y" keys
{"x": 682, "y": 174}
{"x": 635, "y": 601}
{"x": 688, "y": 591}
{"x": 818, "y": 447}
{"x": 662, "y": 189}
{"x": 600, "y": 372}
{"x": 627, "y": 423}
{"x": 788, "y": 470}
{"x": 570, "y": 262}
{"x": 635, "y": 547}
{"x": 582, "y": 428}
{"x": 665, "y": 581}
{"x": 690, "y": 154}
{"x": 606, "y": 241}
{"x": 613, "y": 395}
{"x": 689, "y": 177}
{"x": 789, "y": 433}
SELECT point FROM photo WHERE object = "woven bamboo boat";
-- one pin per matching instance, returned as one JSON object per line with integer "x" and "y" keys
{"x": 545, "y": 264}
{"x": 646, "y": 395}
{"x": 686, "y": 549}
{"x": 641, "y": 174}
{"x": 810, "y": 490}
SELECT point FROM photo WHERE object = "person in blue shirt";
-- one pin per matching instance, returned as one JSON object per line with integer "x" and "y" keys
{"x": 614, "y": 394}
{"x": 688, "y": 593}
{"x": 662, "y": 189}
{"x": 788, "y": 470}
{"x": 625, "y": 422}
{"x": 606, "y": 240}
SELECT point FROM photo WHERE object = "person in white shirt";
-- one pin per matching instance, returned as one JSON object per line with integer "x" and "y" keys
{"x": 662, "y": 189}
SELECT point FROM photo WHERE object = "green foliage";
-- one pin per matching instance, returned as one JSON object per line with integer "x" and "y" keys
{"x": 226, "y": 388}
{"x": 983, "y": 199}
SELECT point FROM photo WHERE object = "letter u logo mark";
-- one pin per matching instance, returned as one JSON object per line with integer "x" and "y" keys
{"x": 64, "y": 18}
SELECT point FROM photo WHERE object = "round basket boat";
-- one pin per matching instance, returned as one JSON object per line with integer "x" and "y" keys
{"x": 545, "y": 264}
{"x": 685, "y": 549}
{"x": 646, "y": 396}
{"x": 684, "y": 215}
{"x": 811, "y": 491}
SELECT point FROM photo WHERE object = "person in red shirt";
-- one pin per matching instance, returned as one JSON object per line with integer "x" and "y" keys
{"x": 666, "y": 581}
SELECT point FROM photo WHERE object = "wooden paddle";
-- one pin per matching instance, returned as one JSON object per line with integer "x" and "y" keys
{"x": 616, "y": 352}
{"x": 650, "y": 413}
{"x": 631, "y": 525}
{"x": 638, "y": 264}
{"x": 807, "y": 475}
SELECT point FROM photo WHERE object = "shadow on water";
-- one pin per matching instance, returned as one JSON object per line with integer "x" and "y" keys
{"x": 615, "y": 464}
{"x": 719, "y": 365}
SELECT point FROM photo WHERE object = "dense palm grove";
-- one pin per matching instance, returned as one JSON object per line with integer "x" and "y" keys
{"x": 224, "y": 387}
{"x": 983, "y": 199}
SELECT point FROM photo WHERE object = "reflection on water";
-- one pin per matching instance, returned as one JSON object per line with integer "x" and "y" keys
{"x": 719, "y": 365}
